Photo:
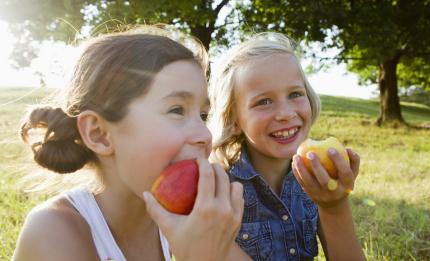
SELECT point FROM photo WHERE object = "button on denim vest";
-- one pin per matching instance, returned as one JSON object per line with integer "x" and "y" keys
{"x": 275, "y": 227}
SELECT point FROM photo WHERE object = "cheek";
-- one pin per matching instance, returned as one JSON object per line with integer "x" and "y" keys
{"x": 256, "y": 123}
{"x": 305, "y": 113}
{"x": 150, "y": 159}
{"x": 155, "y": 149}
{"x": 164, "y": 145}
{"x": 305, "y": 109}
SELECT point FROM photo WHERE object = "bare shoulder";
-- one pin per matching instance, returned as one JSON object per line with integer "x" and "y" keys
{"x": 54, "y": 230}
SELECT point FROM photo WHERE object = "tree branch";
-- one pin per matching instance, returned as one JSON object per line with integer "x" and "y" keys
{"x": 220, "y": 6}
{"x": 344, "y": 58}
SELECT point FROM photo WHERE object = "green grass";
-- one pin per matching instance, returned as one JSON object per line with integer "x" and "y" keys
{"x": 391, "y": 202}
{"x": 14, "y": 163}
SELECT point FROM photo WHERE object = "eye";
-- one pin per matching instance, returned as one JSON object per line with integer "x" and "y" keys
{"x": 295, "y": 94}
{"x": 204, "y": 116}
{"x": 177, "y": 110}
{"x": 262, "y": 102}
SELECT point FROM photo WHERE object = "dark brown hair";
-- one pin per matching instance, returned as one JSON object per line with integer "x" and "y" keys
{"x": 112, "y": 70}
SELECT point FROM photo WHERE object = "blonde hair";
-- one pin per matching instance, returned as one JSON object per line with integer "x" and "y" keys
{"x": 226, "y": 144}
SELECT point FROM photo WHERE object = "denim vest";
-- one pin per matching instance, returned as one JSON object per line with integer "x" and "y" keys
{"x": 273, "y": 227}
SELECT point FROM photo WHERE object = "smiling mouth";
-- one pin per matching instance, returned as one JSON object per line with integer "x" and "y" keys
{"x": 285, "y": 134}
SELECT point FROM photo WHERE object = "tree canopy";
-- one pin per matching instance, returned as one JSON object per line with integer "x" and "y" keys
{"x": 66, "y": 20}
{"x": 384, "y": 41}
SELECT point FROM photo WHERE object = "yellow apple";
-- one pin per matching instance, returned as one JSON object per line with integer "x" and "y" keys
{"x": 320, "y": 148}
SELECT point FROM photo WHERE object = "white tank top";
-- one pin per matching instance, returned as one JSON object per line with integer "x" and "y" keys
{"x": 83, "y": 200}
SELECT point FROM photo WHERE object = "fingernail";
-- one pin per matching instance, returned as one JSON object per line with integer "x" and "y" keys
{"x": 332, "y": 151}
{"x": 296, "y": 159}
{"x": 310, "y": 155}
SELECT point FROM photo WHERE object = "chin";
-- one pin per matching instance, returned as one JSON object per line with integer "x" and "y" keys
{"x": 283, "y": 155}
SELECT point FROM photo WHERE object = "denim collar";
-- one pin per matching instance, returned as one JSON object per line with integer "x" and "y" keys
{"x": 243, "y": 168}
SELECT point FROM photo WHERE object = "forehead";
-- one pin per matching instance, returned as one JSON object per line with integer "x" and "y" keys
{"x": 179, "y": 76}
{"x": 277, "y": 70}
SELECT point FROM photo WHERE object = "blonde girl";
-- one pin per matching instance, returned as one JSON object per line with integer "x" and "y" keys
{"x": 262, "y": 108}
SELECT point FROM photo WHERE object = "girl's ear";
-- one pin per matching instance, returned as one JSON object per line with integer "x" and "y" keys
{"x": 236, "y": 129}
{"x": 94, "y": 133}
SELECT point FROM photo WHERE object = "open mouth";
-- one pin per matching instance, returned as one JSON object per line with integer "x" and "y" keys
{"x": 286, "y": 134}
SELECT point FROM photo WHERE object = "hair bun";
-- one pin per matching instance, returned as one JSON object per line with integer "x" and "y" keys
{"x": 61, "y": 149}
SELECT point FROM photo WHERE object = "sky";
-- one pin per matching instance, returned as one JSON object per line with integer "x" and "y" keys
{"x": 56, "y": 60}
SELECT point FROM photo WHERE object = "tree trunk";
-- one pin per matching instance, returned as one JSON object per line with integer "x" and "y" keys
{"x": 390, "y": 110}
{"x": 204, "y": 31}
{"x": 204, "y": 34}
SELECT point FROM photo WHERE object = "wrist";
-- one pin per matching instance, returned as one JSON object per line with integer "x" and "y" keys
{"x": 339, "y": 208}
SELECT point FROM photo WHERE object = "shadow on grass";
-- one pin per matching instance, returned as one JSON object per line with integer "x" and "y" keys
{"x": 345, "y": 107}
{"x": 392, "y": 229}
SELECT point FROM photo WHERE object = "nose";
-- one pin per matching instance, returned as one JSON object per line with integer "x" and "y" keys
{"x": 285, "y": 112}
{"x": 200, "y": 135}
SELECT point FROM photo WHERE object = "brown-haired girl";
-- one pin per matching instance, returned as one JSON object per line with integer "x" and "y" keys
{"x": 137, "y": 102}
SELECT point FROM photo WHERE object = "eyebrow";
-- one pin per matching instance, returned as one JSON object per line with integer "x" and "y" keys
{"x": 293, "y": 87}
{"x": 184, "y": 95}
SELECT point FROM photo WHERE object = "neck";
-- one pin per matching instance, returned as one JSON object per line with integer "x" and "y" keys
{"x": 125, "y": 214}
{"x": 273, "y": 170}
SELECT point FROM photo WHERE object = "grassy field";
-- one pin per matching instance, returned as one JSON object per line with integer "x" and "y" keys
{"x": 391, "y": 202}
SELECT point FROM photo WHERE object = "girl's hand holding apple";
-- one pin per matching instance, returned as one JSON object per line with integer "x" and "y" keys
{"x": 213, "y": 221}
{"x": 327, "y": 186}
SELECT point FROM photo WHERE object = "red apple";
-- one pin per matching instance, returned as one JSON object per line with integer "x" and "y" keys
{"x": 176, "y": 187}
{"x": 320, "y": 148}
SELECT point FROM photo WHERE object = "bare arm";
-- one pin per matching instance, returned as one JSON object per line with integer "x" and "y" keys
{"x": 337, "y": 232}
{"x": 336, "y": 228}
{"x": 54, "y": 234}
{"x": 322, "y": 239}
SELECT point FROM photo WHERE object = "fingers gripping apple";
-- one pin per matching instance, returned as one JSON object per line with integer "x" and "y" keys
{"x": 176, "y": 188}
{"x": 320, "y": 148}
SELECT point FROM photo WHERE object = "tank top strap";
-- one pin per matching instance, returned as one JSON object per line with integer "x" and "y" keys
{"x": 85, "y": 203}
{"x": 165, "y": 246}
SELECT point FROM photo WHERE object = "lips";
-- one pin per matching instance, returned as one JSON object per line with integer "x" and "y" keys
{"x": 285, "y": 135}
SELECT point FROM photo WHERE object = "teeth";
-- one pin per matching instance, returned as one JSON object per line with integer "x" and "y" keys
{"x": 285, "y": 134}
{"x": 291, "y": 132}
